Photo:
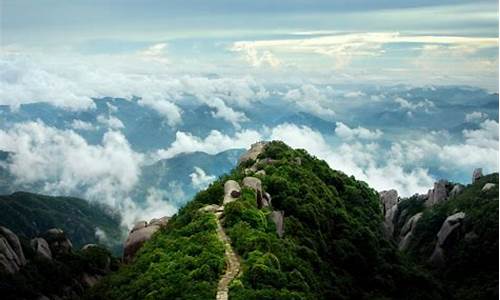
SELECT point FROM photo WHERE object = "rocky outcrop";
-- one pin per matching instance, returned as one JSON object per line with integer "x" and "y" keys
{"x": 58, "y": 242}
{"x": 451, "y": 224}
{"x": 407, "y": 231}
{"x": 256, "y": 185}
{"x": 476, "y": 174}
{"x": 11, "y": 254}
{"x": 255, "y": 150}
{"x": 41, "y": 247}
{"x": 277, "y": 218}
{"x": 438, "y": 194}
{"x": 389, "y": 200}
{"x": 488, "y": 186}
{"x": 456, "y": 190}
{"x": 232, "y": 191}
{"x": 141, "y": 233}
{"x": 266, "y": 200}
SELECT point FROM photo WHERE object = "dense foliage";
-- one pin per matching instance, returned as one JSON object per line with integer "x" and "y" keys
{"x": 471, "y": 270}
{"x": 333, "y": 247}
{"x": 30, "y": 215}
{"x": 183, "y": 261}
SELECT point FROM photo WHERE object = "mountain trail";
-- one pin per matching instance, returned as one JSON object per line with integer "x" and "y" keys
{"x": 233, "y": 263}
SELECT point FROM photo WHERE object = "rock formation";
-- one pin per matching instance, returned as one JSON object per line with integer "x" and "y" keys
{"x": 141, "y": 233}
{"x": 389, "y": 200}
{"x": 407, "y": 231}
{"x": 277, "y": 218}
{"x": 478, "y": 173}
{"x": 11, "y": 254}
{"x": 451, "y": 224}
{"x": 58, "y": 242}
{"x": 41, "y": 247}
{"x": 256, "y": 185}
{"x": 232, "y": 191}
{"x": 438, "y": 194}
{"x": 457, "y": 189}
{"x": 488, "y": 186}
{"x": 255, "y": 150}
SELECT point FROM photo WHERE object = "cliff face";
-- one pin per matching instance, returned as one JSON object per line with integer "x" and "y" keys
{"x": 298, "y": 230}
{"x": 452, "y": 231}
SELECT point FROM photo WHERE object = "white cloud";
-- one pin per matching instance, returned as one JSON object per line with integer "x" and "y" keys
{"x": 255, "y": 57}
{"x": 309, "y": 99}
{"x": 82, "y": 125}
{"x": 171, "y": 112}
{"x": 199, "y": 179}
{"x": 222, "y": 111}
{"x": 476, "y": 117}
{"x": 214, "y": 143}
{"x": 347, "y": 133}
{"x": 424, "y": 105}
{"x": 110, "y": 122}
{"x": 155, "y": 53}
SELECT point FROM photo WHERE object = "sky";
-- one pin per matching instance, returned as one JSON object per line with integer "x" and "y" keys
{"x": 418, "y": 42}
{"x": 397, "y": 93}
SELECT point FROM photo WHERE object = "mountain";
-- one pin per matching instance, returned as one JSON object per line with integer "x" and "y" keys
{"x": 282, "y": 225}
{"x": 453, "y": 233}
{"x": 29, "y": 215}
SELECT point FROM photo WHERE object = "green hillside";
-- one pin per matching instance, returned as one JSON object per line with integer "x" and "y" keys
{"x": 332, "y": 248}
{"x": 30, "y": 215}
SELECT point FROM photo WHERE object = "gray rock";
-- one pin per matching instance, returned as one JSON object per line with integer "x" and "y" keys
{"x": 41, "y": 247}
{"x": 478, "y": 173}
{"x": 261, "y": 173}
{"x": 138, "y": 237}
{"x": 58, "y": 242}
{"x": 210, "y": 208}
{"x": 253, "y": 152}
{"x": 451, "y": 224}
{"x": 139, "y": 225}
{"x": 388, "y": 199}
{"x": 438, "y": 194}
{"x": 11, "y": 254}
{"x": 488, "y": 186}
{"x": 277, "y": 218}
{"x": 268, "y": 198}
{"x": 232, "y": 191}
{"x": 256, "y": 185}
{"x": 389, "y": 221}
{"x": 407, "y": 231}
{"x": 457, "y": 189}
{"x": 160, "y": 222}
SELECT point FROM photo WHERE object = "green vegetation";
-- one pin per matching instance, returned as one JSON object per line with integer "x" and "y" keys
{"x": 183, "y": 261}
{"x": 30, "y": 215}
{"x": 333, "y": 247}
{"x": 471, "y": 270}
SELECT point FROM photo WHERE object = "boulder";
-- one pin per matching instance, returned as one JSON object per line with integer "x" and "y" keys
{"x": 457, "y": 189}
{"x": 11, "y": 254}
{"x": 267, "y": 198}
{"x": 388, "y": 199}
{"x": 137, "y": 237}
{"x": 210, "y": 208}
{"x": 160, "y": 222}
{"x": 389, "y": 221}
{"x": 139, "y": 225}
{"x": 478, "y": 173}
{"x": 58, "y": 242}
{"x": 256, "y": 185}
{"x": 41, "y": 247}
{"x": 488, "y": 186}
{"x": 261, "y": 173}
{"x": 438, "y": 194}
{"x": 255, "y": 150}
{"x": 407, "y": 231}
{"x": 451, "y": 224}
{"x": 232, "y": 191}
{"x": 277, "y": 218}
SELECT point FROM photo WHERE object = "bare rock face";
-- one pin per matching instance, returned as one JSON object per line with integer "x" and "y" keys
{"x": 277, "y": 218}
{"x": 255, "y": 150}
{"x": 256, "y": 185}
{"x": 488, "y": 186}
{"x": 478, "y": 173}
{"x": 141, "y": 233}
{"x": 210, "y": 208}
{"x": 457, "y": 189}
{"x": 407, "y": 231}
{"x": 41, "y": 247}
{"x": 438, "y": 194}
{"x": 232, "y": 191}
{"x": 266, "y": 200}
{"x": 11, "y": 254}
{"x": 451, "y": 224}
{"x": 58, "y": 242}
{"x": 389, "y": 200}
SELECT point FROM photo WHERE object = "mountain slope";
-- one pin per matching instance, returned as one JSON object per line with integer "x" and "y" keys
{"x": 332, "y": 247}
{"x": 29, "y": 215}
